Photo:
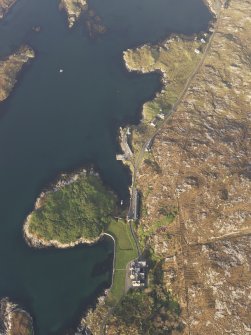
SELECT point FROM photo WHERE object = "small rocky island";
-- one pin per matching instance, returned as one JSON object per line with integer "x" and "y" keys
{"x": 5, "y": 6}
{"x": 11, "y": 67}
{"x": 94, "y": 24}
{"x": 76, "y": 209}
{"x": 74, "y": 9}
{"x": 14, "y": 320}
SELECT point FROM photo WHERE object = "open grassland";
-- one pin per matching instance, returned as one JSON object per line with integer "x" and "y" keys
{"x": 125, "y": 252}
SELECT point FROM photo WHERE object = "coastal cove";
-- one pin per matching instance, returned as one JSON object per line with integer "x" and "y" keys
{"x": 58, "y": 121}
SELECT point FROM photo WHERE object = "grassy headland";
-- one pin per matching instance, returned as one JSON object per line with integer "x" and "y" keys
{"x": 175, "y": 59}
{"x": 81, "y": 208}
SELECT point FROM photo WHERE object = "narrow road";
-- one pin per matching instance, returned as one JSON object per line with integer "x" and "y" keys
{"x": 140, "y": 156}
{"x": 135, "y": 240}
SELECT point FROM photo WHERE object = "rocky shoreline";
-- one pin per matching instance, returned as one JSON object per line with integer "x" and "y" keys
{"x": 73, "y": 9}
{"x": 11, "y": 67}
{"x": 14, "y": 320}
{"x": 214, "y": 5}
{"x": 38, "y": 242}
{"x": 5, "y": 6}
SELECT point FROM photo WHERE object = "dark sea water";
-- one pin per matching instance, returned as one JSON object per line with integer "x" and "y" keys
{"x": 56, "y": 122}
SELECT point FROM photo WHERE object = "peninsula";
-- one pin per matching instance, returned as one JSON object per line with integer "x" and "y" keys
{"x": 76, "y": 209}
{"x": 73, "y": 9}
{"x": 11, "y": 67}
{"x": 175, "y": 59}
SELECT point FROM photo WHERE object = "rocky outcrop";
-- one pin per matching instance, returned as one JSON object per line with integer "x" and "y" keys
{"x": 203, "y": 154}
{"x": 215, "y": 5}
{"x": 5, "y": 6}
{"x": 11, "y": 67}
{"x": 14, "y": 320}
{"x": 73, "y": 8}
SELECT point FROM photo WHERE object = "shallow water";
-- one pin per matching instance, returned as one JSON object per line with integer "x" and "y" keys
{"x": 56, "y": 122}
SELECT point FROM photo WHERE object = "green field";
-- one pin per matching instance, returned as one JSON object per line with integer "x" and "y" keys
{"x": 125, "y": 252}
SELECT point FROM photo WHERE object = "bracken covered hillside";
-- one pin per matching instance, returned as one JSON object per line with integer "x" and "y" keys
{"x": 203, "y": 154}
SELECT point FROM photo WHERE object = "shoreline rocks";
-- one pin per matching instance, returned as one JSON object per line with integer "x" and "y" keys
{"x": 14, "y": 320}
{"x": 38, "y": 242}
{"x": 11, "y": 67}
{"x": 5, "y": 6}
{"x": 214, "y": 6}
{"x": 73, "y": 9}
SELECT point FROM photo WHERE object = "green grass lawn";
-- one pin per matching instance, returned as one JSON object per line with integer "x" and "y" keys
{"x": 118, "y": 287}
{"x": 125, "y": 252}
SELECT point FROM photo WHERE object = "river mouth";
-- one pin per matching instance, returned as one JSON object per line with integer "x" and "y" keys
{"x": 56, "y": 122}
